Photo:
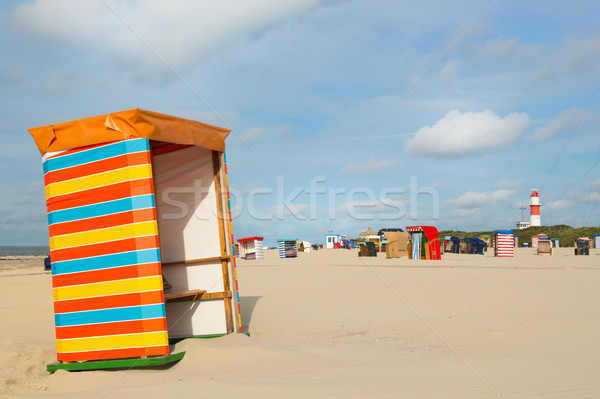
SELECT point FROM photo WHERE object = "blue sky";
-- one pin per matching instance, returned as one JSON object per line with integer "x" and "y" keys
{"x": 443, "y": 113}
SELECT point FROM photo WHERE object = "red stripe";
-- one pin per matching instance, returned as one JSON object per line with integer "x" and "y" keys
{"x": 105, "y": 248}
{"x": 167, "y": 148}
{"x": 113, "y": 354}
{"x": 103, "y": 165}
{"x": 97, "y": 276}
{"x": 109, "y": 302}
{"x": 115, "y": 328}
{"x": 101, "y": 194}
{"x": 104, "y": 221}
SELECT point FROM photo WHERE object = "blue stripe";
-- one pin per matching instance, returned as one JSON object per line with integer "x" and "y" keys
{"x": 96, "y": 154}
{"x": 106, "y": 261}
{"x": 102, "y": 209}
{"x": 110, "y": 315}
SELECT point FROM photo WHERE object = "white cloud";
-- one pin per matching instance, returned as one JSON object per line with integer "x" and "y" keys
{"x": 246, "y": 189}
{"x": 213, "y": 117}
{"x": 373, "y": 209}
{"x": 475, "y": 199}
{"x": 459, "y": 134}
{"x": 593, "y": 185}
{"x": 289, "y": 210}
{"x": 373, "y": 165}
{"x": 547, "y": 62}
{"x": 259, "y": 132}
{"x": 510, "y": 50}
{"x": 449, "y": 72}
{"x": 509, "y": 184}
{"x": 564, "y": 122}
{"x": 31, "y": 193}
{"x": 181, "y": 32}
{"x": 559, "y": 205}
{"x": 21, "y": 221}
{"x": 254, "y": 133}
{"x": 582, "y": 54}
{"x": 12, "y": 73}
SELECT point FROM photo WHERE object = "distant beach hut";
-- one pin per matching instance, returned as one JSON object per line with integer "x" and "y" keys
{"x": 362, "y": 236}
{"x": 425, "y": 242}
{"x": 582, "y": 246}
{"x": 544, "y": 246}
{"x": 477, "y": 246}
{"x": 251, "y": 248}
{"x": 536, "y": 238}
{"x": 464, "y": 245}
{"x": 124, "y": 192}
{"x": 287, "y": 247}
{"x": 504, "y": 243}
{"x": 555, "y": 242}
{"x": 487, "y": 238}
{"x": 307, "y": 246}
{"x": 383, "y": 239}
{"x": 367, "y": 248}
{"x": 452, "y": 244}
{"x": 596, "y": 240}
{"x": 334, "y": 241}
{"x": 376, "y": 240}
{"x": 396, "y": 244}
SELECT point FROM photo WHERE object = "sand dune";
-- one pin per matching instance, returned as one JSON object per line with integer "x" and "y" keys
{"x": 331, "y": 324}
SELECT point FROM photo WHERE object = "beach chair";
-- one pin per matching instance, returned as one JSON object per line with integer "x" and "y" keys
{"x": 367, "y": 248}
{"x": 396, "y": 246}
{"x": 544, "y": 247}
{"x": 582, "y": 247}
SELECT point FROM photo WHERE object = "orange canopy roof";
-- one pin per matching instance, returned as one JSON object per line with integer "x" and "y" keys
{"x": 125, "y": 124}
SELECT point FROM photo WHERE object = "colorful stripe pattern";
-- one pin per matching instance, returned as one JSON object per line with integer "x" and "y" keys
{"x": 287, "y": 248}
{"x": 504, "y": 245}
{"x": 106, "y": 271}
{"x": 237, "y": 291}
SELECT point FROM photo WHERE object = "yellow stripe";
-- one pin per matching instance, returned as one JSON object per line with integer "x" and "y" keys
{"x": 100, "y": 179}
{"x": 104, "y": 235}
{"x": 112, "y": 342}
{"x": 151, "y": 283}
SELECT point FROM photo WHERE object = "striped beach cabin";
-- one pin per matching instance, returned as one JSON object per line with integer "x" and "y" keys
{"x": 287, "y": 247}
{"x": 504, "y": 243}
{"x": 140, "y": 233}
{"x": 251, "y": 248}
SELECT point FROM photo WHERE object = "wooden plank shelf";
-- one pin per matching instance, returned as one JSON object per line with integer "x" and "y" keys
{"x": 185, "y": 262}
{"x": 196, "y": 295}
{"x": 190, "y": 295}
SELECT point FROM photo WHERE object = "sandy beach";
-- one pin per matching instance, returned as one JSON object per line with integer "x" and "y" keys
{"x": 331, "y": 324}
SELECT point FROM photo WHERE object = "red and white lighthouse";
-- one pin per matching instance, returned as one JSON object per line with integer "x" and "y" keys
{"x": 534, "y": 209}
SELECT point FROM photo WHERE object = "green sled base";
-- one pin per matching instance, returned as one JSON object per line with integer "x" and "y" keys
{"x": 117, "y": 363}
